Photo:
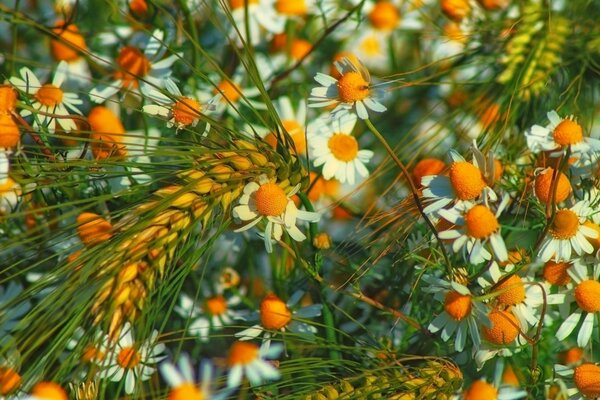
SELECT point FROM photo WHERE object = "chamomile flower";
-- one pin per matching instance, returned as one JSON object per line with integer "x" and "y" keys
{"x": 181, "y": 380}
{"x": 462, "y": 313}
{"x": 351, "y": 92}
{"x": 138, "y": 70}
{"x": 132, "y": 361}
{"x": 247, "y": 359}
{"x": 256, "y": 17}
{"x": 48, "y": 99}
{"x": 294, "y": 122}
{"x": 276, "y": 315}
{"x": 69, "y": 46}
{"x": 568, "y": 233}
{"x": 267, "y": 200}
{"x": 559, "y": 134}
{"x": 227, "y": 94}
{"x": 334, "y": 148}
{"x": 504, "y": 330}
{"x": 476, "y": 226}
{"x": 581, "y": 382}
{"x": 46, "y": 391}
{"x": 179, "y": 110}
{"x": 585, "y": 293}
{"x": 465, "y": 182}
{"x": 215, "y": 313}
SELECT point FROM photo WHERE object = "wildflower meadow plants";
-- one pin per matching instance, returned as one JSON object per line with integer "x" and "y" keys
{"x": 299, "y": 199}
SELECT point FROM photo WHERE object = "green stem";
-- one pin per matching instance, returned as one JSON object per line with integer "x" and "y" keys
{"x": 414, "y": 192}
{"x": 334, "y": 353}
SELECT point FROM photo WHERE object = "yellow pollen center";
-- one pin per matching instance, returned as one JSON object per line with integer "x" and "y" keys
{"x": 480, "y": 222}
{"x": 371, "y": 46}
{"x": 384, "y": 16}
{"x": 8, "y": 99}
{"x": 49, "y": 95}
{"x": 186, "y": 111}
{"x": 49, "y": 391}
{"x": 133, "y": 65}
{"x": 9, "y": 131}
{"x": 543, "y": 187}
{"x": 235, "y": 4}
{"x": 66, "y": 48}
{"x": 216, "y": 305}
{"x": 352, "y": 87}
{"x": 587, "y": 379}
{"x": 185, "y": 391}
{"x": 457, "y": 305}
{"x": 291, "y": 7}
{"x": 91, "y": 353}
{"x": 565, "y": 225}
{"x": 568, "y": 132}
{"x": 466, "y": 180}
{"x": 481, "y": 390}
{"x": 270, "y": 200}
{"x": 427, "y": 166}
{"x": 504, "y": 327}
{"x": 242, "y": 353}
{"x": 456, "y": 10}
{"x": 299, "y": 48}
{"x": 509, "y": 377}
{"x": 571, "y": 356}
{"x": 274, "y": 313}
{"x": 9, "y": 380}
{"x": 229, "y": 90}
{"x": 128, "y": 357}
{"x": 587, "y": 296}
{"x": 512, "y": 291}
{"x": 556, "y": 273}
{"x": 343, "y": 147}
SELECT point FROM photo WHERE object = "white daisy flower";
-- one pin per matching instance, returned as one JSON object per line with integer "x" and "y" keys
{"x": 580, "y": 382}
{"x": 70, "y": 46}
{"x": 275, "y": 315}
{"x": 179, "y": 110}
{"x": 267, "y": 200}
{"x": 475, "y": 226}
{"x": 247, "y": 359}
{"x": 131, "y": 361}
{"x": 462, "y": 314}
{"x": 180, "y": 379}
{"x": 585, "y": 293}
{"x": 261, "y": 16}
{"x": 568, "y": 233}
{"x": 138, "y": 70}
{"x": 48, "y": 99}
{"x": 524, "y": 296}
{"x": 214, "y": 313}
{"x": 559, "y": 134}
{"x": 504, "y": 330}
{"x": 353, "y": 91}
{"x": 465, "y": 182}
{"x": 334, "y": 148}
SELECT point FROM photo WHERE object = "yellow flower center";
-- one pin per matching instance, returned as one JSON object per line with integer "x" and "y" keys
{"x": 133, "y": 65}
{"x": 454, "y": 32}
{"x": 270, "y": 200}
{"x": 322, "y": 187}
{"x": 242, "y": 353}
{"x": 49, "y": 95}
{"x": 70, "y": 40}
{"x": 456, "y": 10}
{"x": 587, "y": 296}
{"x": 9, "y": 380}
{"x": 481, "y": 390}
{"x": 571, "y": 356}
{"x": 565, "y": 225}
{"x": 512, "y": 291}
{"x": 295, "y": 130}
{"x": 480, "y": 222}
{"x": 8, "y": 99}
{"x": 556, "y": 273}
{"x": 91, "y": 353}
{"x": 274, "y": 313}
{"x": 9, "y": 131}
{"x": 457, "y": 305}
{"x": 371, "y": 46}
{"x": 384, "y": 16}
{"x": 229, "y": 90}
{"x": 186, "y": 111}
{"x": 128, "y": 357}
{"x": 352, "y": 87}
{"x": 333, "y": 71}
{"x": 291, "y": 7}
{"x": 185, "y": 391}
{"x": 427, "y": 166}
{"x": 587, "y": 379}
{"x": 235, "y": 4}
{"x": 543, "y": 187}
{"x": 343, "y": 147}
{"x": 216, "y": 305}
{"x": 568, "y": 132}
{"x": 138, "y": 7}
{"x": 49, "y": 391}
{"x": 505, "y": 327}
{"x": 107, "y": 133}
{"x": 509, "y": 377}
{"x": 299, "y": 48}
{"x": 466, "y": 180}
